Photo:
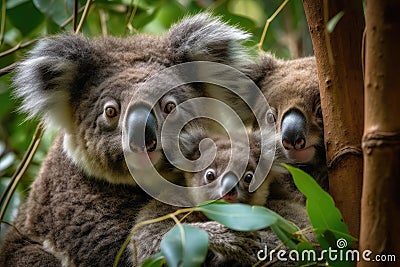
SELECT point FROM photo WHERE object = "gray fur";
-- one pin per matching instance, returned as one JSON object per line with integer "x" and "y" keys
{"x": 84, "y": 201}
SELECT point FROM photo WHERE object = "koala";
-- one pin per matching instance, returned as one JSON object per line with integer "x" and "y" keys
{"x": 223, "y": 168}
{"x": 84, "y": 201}
{"x": 292, "y": 91}
{"x": 230, "y": 248}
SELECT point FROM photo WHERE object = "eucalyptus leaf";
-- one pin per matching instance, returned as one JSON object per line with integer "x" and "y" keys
{"x": 307, "y": 261}
{"x": 284, "y": 236}
{"x": 165, "y": 16}
{"x": 185, "y": 246}
{"x": 14, "y": 3}
{"x": 156, "y": 261}
{"x": 330, "y": 26}
{"x": 287, "y": 232}
{"x": 25, "y": 17}
{"x": 58, "y": 10}
{"x": 325, "y": 218}
{"x": 239, "y": 217}
{"x": 320, "y": 205}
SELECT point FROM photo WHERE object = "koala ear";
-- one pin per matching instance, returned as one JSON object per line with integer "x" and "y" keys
{"x": 207, "y": 38}
{"x": 189, "y": 141}
{"x": 262, "y": 67}
{"x": 46, "y": 78}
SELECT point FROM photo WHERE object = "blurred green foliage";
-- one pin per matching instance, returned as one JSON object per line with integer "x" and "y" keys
{"x": 25, "y": 20}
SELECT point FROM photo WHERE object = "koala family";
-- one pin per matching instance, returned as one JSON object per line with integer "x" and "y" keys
{"x": 84, "y": 201}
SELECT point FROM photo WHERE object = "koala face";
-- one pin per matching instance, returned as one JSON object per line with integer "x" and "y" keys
{"x": 230, "y": 188}
{"x": 291, "y": 88}
{"x": 87, "y": 87}
{"x": 227, "y": 185}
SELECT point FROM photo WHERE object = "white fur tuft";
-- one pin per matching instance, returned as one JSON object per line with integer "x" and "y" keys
{"x": 46, "y": 98}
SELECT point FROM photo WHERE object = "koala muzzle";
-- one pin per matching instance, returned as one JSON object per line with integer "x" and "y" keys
{"x": 229, "y": 190}
{"x": 294, "y": 130}
{"x": 142, "y": 129}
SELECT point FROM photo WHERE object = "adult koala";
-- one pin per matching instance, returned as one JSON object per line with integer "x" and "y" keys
{"x": 84, "y": 201}
{"x": 292, "y": 91}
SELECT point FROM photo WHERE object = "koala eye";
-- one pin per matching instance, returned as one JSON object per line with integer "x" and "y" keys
{"x": 210, "y": 175}
{"x": 169, "y": 107}
{"x": 248, "y": 177}
{"x": 111, "y": 110}
{"x": 271, "y": 116}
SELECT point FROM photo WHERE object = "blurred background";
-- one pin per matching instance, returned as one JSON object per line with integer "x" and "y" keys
{"x": 24, "y": 21}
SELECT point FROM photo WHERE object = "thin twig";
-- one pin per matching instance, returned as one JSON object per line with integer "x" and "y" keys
{"x": 103, "y": 22}
{"x": 269, "y": 20}
{"x": 138, "y": 225}
{"x": 130, "y": 19}
{"x": 18, "y": 46}
{"x": 75, "y": 15}
{"x": 22, "y": 167}
{"x": 3, "y": 20}
{"x": 65, "y": 23}
{"x": 84, "y": 15}
{"x": 8, "y": 69}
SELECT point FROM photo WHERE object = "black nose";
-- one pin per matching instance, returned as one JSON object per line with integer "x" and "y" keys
{"x": 294, "y": 130}
{"x": 141, "y": 129}
{"x": 228, "y": 184}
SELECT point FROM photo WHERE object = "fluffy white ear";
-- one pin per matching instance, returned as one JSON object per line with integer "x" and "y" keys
{"x": 204, "y": 37}
{"x": 46, "y": 78}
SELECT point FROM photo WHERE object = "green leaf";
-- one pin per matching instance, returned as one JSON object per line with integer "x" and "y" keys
{"x": 14, "y": 3}
{"x": 170, "y": 12}
{"x": 25, "y": 17}
{"x": 239, "y": 217}
{"x": 284, "y": 236}
{"x": 287, "y": 232}
{"x": 325, "y": 218}
{"x": 58, "y": 10}
{"x": 156, "y": 261}
{"x": 179, "y": 248}
{"x": 330, "y": 26}
{"x": 307, "y": 246}
{"x": 320, "y": 205}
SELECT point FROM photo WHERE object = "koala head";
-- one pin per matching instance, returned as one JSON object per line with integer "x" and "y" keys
{"x": 85, "y": 87}
{"x": 227, "y": 185}
{"x": 291, "y": 89}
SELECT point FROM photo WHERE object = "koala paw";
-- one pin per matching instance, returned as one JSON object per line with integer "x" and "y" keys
{"x": 226, "y": 245}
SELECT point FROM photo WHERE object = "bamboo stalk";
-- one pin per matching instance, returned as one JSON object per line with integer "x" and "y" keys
{"x": 338, "y": 56}
{"x": 380, "y": 215}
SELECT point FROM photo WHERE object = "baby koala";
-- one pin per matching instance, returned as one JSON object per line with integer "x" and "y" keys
{"x": 221, "y": 175}
{"x": 223, "y": 184}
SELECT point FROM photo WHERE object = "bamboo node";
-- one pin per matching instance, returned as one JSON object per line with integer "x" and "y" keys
{"x": 342, "y": 152}
{"x": 375, "y": 139}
